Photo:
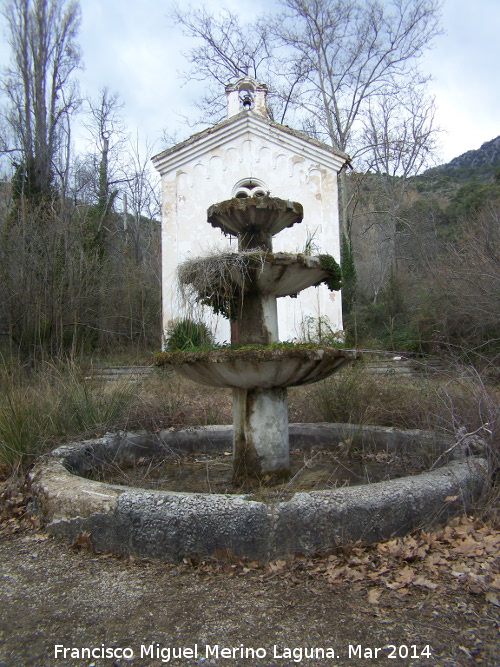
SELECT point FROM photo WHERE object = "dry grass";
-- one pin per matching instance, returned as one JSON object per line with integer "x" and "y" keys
{"x": 60, "y": 401}
{"x": 164, "y": 399}
{"x": 217, "y": 279}
{"x": 457, "y": 403}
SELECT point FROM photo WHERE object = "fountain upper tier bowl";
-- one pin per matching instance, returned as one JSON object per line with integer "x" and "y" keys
{"x": 254, "y": 215}
{"x": 257, "y": 368}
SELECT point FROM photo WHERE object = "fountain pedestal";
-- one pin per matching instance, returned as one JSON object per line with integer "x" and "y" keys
{"x": 260, "y": 436}
{"x": 259, "y": 377}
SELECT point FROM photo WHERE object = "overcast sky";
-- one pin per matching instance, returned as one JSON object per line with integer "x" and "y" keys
{"x": 131, "y": 46}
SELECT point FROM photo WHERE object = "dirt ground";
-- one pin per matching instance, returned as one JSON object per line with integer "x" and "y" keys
{"x": 427, "y": 599}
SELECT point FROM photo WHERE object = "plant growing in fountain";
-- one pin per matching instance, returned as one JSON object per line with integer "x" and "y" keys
{"x": 244, "y": 287}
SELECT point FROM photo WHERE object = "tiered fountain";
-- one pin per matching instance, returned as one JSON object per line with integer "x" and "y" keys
{"x": 175, "y": 525}
{"x": 245, "y": 286}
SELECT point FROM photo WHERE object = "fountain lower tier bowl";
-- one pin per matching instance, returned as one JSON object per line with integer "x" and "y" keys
{"x": 257, "y": 369}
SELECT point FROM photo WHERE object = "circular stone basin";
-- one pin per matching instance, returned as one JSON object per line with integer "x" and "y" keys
{"x": 173, "y": 525}
{"x": 259, "y": 368}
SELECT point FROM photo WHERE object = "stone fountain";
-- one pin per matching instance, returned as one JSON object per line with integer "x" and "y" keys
{"x": 245, "y": 288}
{"x": 175, "y": 525}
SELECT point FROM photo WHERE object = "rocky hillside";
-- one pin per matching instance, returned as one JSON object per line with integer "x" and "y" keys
{"x": 481, "y": 163}
{"x": 476, "y": 166}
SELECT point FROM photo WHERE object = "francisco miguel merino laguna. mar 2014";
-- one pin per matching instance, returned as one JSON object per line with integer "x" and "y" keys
{"x": 167, "y": 653}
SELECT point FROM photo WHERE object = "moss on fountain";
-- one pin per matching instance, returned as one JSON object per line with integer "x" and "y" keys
{"x": 273, "y": 352}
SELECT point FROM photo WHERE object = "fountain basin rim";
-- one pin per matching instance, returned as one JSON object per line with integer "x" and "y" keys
{"x": 172, "y": 525}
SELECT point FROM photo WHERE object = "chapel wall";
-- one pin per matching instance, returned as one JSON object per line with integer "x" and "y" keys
{"x": 210, "y": 178}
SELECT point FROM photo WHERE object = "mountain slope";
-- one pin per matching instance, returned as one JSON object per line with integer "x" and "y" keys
{"x": 481, "y": 163}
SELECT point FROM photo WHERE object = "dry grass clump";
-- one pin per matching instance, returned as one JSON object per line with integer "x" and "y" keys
{"x": 447, "y": 401}
{"x": 60, "y": 401}
{"x": 40, "y": 408}
{"x": 166, "y": 400}
{"x": 216, "y": 280}
{"x": 456, "y": 403}
{"x": 356, "y": 395}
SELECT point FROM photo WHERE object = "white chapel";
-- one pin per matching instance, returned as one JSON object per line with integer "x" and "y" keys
{"x": 247, "y": 154}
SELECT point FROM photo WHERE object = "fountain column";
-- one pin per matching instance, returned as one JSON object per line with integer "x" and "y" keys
{"x": 248, "y": 292}
{"x": 260, "y": 440}
{"x": 260, "y": 416}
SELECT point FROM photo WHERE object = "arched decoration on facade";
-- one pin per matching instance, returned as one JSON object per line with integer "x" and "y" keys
{"x": 250, "y": 187}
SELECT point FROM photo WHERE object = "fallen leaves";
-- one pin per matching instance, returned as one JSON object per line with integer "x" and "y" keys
{"x": 14, "y": 497}
{"x": 84, "y": 541}
{"x": 374, "y": 595}
{"x": 465, "y": 551}
{"x": 425, "y": 583}
{"x": 465, "y": 554}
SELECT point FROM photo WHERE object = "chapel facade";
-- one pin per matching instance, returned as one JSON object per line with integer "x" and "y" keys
{"x": 247, "y": 154}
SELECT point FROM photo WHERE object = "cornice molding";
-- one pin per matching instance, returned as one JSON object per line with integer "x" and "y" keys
{"x": 249, "y": 123}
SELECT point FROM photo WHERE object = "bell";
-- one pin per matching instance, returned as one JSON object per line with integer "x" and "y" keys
{"x": 247, "y": 102}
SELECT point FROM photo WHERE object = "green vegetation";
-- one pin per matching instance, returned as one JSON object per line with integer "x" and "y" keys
{"x": 334, "y": 278}
{"x": 190, "y": 354}
{"x": 427, "y": 276}
{"x": 471, "y": 198}
{"x": 186, "y": 334}
{"x": 348, "y": 274}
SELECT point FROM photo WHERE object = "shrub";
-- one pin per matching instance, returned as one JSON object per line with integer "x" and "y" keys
{"x": 186, "y": 334}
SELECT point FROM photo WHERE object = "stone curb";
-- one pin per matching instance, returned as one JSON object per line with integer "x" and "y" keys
{"x": 170, "y": 526}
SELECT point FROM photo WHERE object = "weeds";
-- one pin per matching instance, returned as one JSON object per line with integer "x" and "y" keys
{"x": 357, "y": 396}
{"x": 186, "y": 334}
{"x": 57, "y": 401}
{"x": 472, "y": 420}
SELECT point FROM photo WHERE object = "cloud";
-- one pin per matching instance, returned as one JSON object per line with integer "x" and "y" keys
{"x": 464, "y": 66}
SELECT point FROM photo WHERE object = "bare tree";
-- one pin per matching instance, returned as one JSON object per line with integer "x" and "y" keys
{"x": 398, "y": 137}
{"x": 353, "y": 55}
{"x": 107, "y": 129}
{"x": 225, "y": 49}
{"x": 143, "y": 202}
{"x": 399, "y": 134}
{"x": 466, "y": 282}
{"x": 326, "y": 60}
{"x": 39, "y": 85}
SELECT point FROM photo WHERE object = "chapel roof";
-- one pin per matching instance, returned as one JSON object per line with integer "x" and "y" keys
{"x": 248, "y": 121}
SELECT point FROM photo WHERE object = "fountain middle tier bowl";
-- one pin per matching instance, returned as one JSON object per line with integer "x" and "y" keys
{"x": 271, "y": 274}
{"x": 257, "y": 368}
{"x": 283, "y": 274}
